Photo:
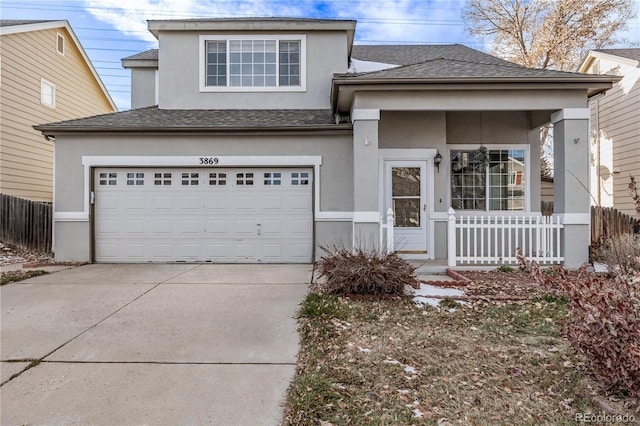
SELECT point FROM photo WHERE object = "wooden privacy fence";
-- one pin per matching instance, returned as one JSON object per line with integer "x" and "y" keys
{"x": 607, "y": 222}
{"x": 26, "y": 223}
{"x": 494, "y": 239}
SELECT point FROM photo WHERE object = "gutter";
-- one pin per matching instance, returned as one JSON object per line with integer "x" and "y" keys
{"x": 49, "y": 132}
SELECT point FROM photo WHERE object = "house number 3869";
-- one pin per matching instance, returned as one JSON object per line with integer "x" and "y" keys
{"x": 208, "y": 160}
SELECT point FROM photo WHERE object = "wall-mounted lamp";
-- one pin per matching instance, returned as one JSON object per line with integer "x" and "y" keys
{"x": 366, "y": 141}
{"x": 437, "y": 160}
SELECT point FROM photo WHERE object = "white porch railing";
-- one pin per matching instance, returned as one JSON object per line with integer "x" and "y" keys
{"x": 386, "y": 232}
{"x": 494, "y": 239}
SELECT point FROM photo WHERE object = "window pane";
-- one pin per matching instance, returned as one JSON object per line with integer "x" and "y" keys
{"x": 289, "y": 63}
{"x": 500, "y": 186}
{"x": 216, "y": 65}
{"x": 405, "y": 181}
{"x": 406, "y": 212}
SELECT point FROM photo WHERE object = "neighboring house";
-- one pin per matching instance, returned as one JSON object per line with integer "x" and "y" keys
{"x": 615, "y": 128}
{"x": 258, "y": 140}
{"x": 45, "y": 75}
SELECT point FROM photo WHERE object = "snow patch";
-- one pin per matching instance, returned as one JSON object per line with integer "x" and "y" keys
{"x": 429, "y": 290}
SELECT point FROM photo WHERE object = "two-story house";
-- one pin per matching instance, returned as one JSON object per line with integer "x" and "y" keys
{"x": 45, "y": 75}
{"x": 615, "y": 128}
{"x": 258, "y": 140}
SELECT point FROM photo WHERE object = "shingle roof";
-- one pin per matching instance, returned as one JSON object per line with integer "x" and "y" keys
{"x": 147, "y": 55}
{"x": 441, "y": 62}
{"x": 444, "y": 68}
{"x": 153, "y": 118}
{"x": 12, "y": 22}
{"x": 625, "y": 53}
{"x": 412, "y": 54}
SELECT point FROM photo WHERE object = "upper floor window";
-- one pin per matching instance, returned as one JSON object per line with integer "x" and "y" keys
{"x": 251, "y": 63}
{"x": 47, "y": 93}
{"x": 497, "y": 183}
{"x": 60, "y": 43}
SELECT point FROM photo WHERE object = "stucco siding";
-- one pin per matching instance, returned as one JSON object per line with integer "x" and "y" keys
{"x": 26, "y": 158}
{"x": 326, "y": 54}
{"x": 143, "y": 87}
{"x": 336, "y": 173}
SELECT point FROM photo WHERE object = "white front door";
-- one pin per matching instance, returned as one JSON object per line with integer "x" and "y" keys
{"x": 406, "y": 184}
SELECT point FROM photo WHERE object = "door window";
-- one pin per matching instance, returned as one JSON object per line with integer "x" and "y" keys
{"x": 405, "y": 196}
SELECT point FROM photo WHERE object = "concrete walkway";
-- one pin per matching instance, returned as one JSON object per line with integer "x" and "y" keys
{"x": 150, "y": 344}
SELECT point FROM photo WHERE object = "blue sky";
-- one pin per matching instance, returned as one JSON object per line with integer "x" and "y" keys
{"x": 112, "y": 29}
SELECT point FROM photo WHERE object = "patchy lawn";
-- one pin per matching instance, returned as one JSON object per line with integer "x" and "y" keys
{"x": 387, "y": 362}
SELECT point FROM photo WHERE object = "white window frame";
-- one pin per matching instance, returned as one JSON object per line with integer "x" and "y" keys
{"x": 64, "y": 43}
{"x": 202, "y": 62}
{"x": 490, "y": 147}
{"x": 44, "y": 83}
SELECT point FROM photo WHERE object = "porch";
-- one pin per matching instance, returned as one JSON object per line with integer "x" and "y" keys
{"x": 481, "y": 241}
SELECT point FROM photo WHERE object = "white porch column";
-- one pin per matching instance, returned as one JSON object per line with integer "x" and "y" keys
{"x": 366, "y": 217}
{"x": 571, "y": 181}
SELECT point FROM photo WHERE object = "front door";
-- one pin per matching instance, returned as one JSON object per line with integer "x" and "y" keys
{"x": 406, "y": 195}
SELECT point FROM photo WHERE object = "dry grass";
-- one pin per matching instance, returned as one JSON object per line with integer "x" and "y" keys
{"x": 480, "y": 364}
{"x": 15, "y": 276}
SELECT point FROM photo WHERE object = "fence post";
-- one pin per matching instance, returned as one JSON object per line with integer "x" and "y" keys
{"x": 451, "y": 237}
{"x": 390, "y": 235}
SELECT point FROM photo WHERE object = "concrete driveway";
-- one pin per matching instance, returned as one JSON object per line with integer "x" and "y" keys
{"x": 151, "y": 344}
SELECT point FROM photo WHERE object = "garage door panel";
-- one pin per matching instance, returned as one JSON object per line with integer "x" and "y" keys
{"x": 133, "y": 202}
{"x": 108, "y": 202}
{"x": 300, "y": 227}
{"x": 217, "y": 203}
{"x": 190, "y": 227}
{"x": 300, "y": 202}
{"x": 200, "y": 215}
{"x": 244, "y": 202}
{"x": 134, "y": 227}
{"x": 135, "y": 251}
{"x": 108, "y": 227}
{"x": 162, "y": 226}
{"x": 272, "y": 226}
{"x": 217, "y": 251}
{"x": 162, "y": 202}
{"x": 162, "y": 251}
{"x": 189, "y": 203}
{"x": 272, "y": 251}
{"x": 244, "y": 250}
{"x": 218, "y": 227}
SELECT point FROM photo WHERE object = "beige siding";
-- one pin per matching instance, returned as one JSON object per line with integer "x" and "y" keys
{"x": 546, "y": 190}
{"x": 615, "y": 129}
{"x": 26, "y": 158}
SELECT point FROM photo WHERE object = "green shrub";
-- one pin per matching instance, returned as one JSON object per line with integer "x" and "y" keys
{"x": 366, "y": 272}
{"x": 505, "y": 268}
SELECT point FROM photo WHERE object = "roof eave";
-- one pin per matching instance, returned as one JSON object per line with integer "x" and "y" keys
{"x": 139, "y": 63}
{"x": 593, "y": 84}
{"x": 57, "y": 130}
{"x": 593, "y": 55}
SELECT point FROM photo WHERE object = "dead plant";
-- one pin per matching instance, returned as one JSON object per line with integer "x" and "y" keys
{"x": 362, "y": 271}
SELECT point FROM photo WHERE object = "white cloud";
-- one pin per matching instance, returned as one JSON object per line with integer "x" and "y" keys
{"x": 131, "y": 17}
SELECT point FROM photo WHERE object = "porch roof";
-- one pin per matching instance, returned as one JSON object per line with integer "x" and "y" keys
{"x": 151, "y": 119}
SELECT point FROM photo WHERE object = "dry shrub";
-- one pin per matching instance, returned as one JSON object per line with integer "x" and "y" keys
{"x": 604, "y": 323}
{"x": 363, "y": 271}
{"x": 621, "y": 253}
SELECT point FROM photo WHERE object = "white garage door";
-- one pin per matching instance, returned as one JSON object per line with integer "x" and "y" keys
{"x": 203, "y": 215}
